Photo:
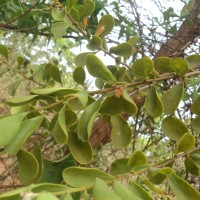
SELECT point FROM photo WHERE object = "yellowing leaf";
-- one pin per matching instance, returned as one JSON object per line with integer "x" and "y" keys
{"x": 82, "y": 176}
{"x": 79, "y": 75}
{"x": 174, "y": 128}
{"x": 28, "y": 166}
{"x": 81, "y": 151}
{"x": 124, "y": 49}
{"x": 9, "y": 127}
{"x": 171, "y": 98}
{"x": 182, "y": 189}
{"x": 97, "y": 69}
{"x": 121, "y": 132}
{"x": 87, "y": 119}
{"x": 186, "y": 143}
{"x": 105, "y": 25}
{"x": 137, "y": 158}
{"x": 142, "y": 67}
{"x": 102, "y": 191}
{"x": 195, "y": 108}
{"x": 153, "y": 104}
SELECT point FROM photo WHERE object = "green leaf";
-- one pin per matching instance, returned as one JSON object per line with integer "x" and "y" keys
{"x": 82, "y": 176}
{"x": 26, "y": 129}
{"x": 153, "y": 103}
{"x": 55, "y": 91}
{"x": 80, "y": 59}
{"x": 86, "y": 9}
{"x": 79, "y": 75}
{"x": 95, "y": 43}
{"x": 97, "y": 69}
{"x": 60, "y": 136}
{"x": 120, "y": 166}
{"x": 196, "y": 124}
{"x": 124, "y": 193}
{"x": 121, "y": 132}
{"x": 174, "y": 128}
{"x": 124, "y": 49}
{"x": 17, "y": 101}
{"x": 102, "y": 191}
{"x": 137, "y": 158}
{"x": 105, "y": 25}
{"x": 186, "y": 143}
{"x": 139, "y": 191}
{"x": 142, "y": 67}
{"x": 171, "y": 98}
{"x": 58, "y": 14}
{"x": 179, "y": 65}
{"x": 192, "y": 166}
{"x": 193, "y": 61}
{"x": 28, "y": 166}
{"x": 71, "y": 3}
{"x": 133, "y": 40}
{"x": 13, "y": 87}
{"x": 58, "y": 29}
{"x": 52, "y": 170}
{"x": 128, "y": 104}
{"x": 116, "y": 103}
{"x": 10, "y": 125}
{"x": 87, "y": 119}
{"x": 55, "y": 73}
{"x": 158, "y": 175}
{"x": 20, "y": 60}
{"x": 162, "y": 65}
{"x": 195, "y": 108}
{"x": 81, "y": 151}
{"x": 46, "y": 195}
{"x": 182, "y": 189}
{"x": 4, "y": 51}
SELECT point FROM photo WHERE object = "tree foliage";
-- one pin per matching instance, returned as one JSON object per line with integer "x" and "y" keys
{"x": 144, "y": 97}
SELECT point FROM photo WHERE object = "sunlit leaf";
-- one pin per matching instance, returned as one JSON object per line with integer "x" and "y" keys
{"x": 80, "y": 59}
{"x": 97, "y": 68}
{"x": 58, "y": 13}
{"x": 153, "y": 103}
{"x": 182, "y": 189}
{"x": 174, "y": 128}
{"x": 133, "y": 40}
{"x": 82, "y": 176}
{"x": 137, "y": 158}
{"x": 102, "y": 191}
{"x": 171, "y": 98}
{"x": 81, "y": 151}
{"x": 124, "y": 49}
{"x": 46, "y": 195}
{"x": 58, "y": 29}
{"x": 17, "y": 101}
{"x": 121, "y": 132}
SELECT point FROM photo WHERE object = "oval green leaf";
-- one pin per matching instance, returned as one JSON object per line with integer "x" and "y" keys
{"x": 153, "y": 103}
{"x": 58, "y": 14}
{"x": 79, "y": 75}
{"x": 97, "y": 69}
{"x": 196, "y": 124}
{"x": 182, "y": 189}
{"x": 4, "y": 51}
{"x": 162, "y": 65}
{"x": 193, "y": 60}
{"x": 81, "y": 151}
{"x": 58, "y": 29}
{"x": 80, "y": 59}
{"x": 82, "y": 176}
{"x": 171, "y": 98}
{"x": 17, "y": 101}
{"x": 95, "y": 43}
{"x": 124, "y": 49}
{"x": 195, "y": 108}
{"x": 174, "y": 128}
{"x": 121, "y": 132}
{"x": 60, "y": 135}
{"x": 192, "y": 166}
{"x": 137, "y": 158}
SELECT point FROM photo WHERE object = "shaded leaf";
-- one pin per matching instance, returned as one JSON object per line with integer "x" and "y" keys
{"x": 193, "y": 60}
{"x": 10, "y": 125}
{"x": 97, "y": 69}
{"x": 142, "y": 67}
{"x": 55, "y": 73}
{"x": 186, "y": 143}
{"x": 171, "y": 98}
{"x": 71, "y": 3}
{"x": 60, "y": 136}
{"x": 87, "y": 119}
{"x": 153, "y": 103}
{"x": 46, "y": 195}
{"x": 26, "y": 129}
{"x": 80, "y": 59}
{"x": 137, "y": 158}
{"x": 82, "y": 176}
{"x": 182, "y": 189}
{"x": 192, "y": 166}
{"x": 174, "y": 128}
{"x": 105, "y": 25}
{"x": 95, "y": 43}
{"x": 121, "y": 132}
{"x": 102, "y": 191}
{"x": 120, "y": 166}
{"x": 81, "y": 151}
{"x": 196, "y": 124}
{"x": 162, "y": 65}
{"x": 13, "y": 87}
{"x": 4, "y": 51}
{"x": 195, "y": 108}
{"x": 79, "y": 75}
{"x": 124, "y": 49}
